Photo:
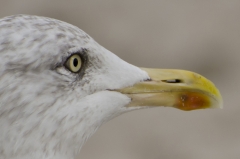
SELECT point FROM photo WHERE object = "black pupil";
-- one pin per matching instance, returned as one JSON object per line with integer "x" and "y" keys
{"x": 75, "y": 62}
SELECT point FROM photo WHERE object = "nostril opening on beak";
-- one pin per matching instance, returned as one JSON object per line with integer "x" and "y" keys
{"x": 172, "y": 81}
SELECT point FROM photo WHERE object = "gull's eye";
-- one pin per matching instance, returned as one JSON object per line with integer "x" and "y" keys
{"x": 74, "y": 63}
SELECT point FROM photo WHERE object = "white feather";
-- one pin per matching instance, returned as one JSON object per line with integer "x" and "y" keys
{"x": 46, "y": 111}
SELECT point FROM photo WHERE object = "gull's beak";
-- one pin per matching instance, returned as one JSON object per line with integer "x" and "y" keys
{"x": 174, "y": 88}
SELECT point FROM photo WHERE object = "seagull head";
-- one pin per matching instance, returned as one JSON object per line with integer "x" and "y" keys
{"x": 58, "y": 85}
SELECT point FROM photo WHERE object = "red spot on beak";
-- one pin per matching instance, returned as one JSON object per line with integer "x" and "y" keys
{"x": 192, "y": 101}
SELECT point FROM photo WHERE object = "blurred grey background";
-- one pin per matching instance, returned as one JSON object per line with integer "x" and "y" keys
{"x": 201, "y": 36}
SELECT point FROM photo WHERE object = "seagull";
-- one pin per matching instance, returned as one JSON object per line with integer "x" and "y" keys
{"x": 58, "y": 86}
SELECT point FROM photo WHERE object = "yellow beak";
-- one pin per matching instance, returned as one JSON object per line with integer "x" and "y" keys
{"x": 174, "y": 88}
